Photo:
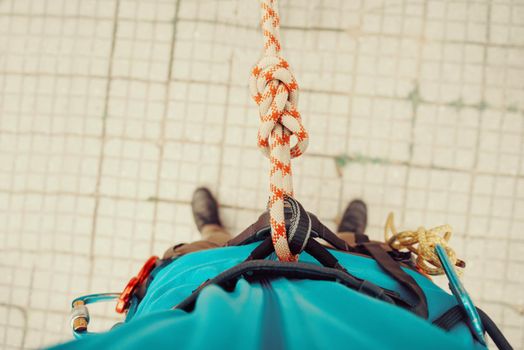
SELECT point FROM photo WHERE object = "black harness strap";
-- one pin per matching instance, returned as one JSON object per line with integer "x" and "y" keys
{"x": 262, "y": 250}
{"x": 326, "y": 234}
{"x": 261, "y": 229}
{"x": 456, "y": 314}
{"x": 494, "y": 332}
{"x": 361, "y": 238}
{"x": 254, "y": 270}
{"x": 299, "y": 230}
{"x": 304, "y": 240}
{"x": 323, "y": 255}
{"x": 450, "y": 318}
{"x": 393, "y": 268}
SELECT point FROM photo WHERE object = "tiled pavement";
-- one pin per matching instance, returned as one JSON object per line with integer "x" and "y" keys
{"x": 113, "y": 111}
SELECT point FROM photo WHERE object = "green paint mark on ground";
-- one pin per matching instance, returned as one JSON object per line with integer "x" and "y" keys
{"x": 414, "y": 97}
{"x": 481, "y": 106}
{"x": 458, "y": 104}
{"x": 343, "y": 160}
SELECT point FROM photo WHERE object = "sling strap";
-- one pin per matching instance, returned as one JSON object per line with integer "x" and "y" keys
{"x": 450, "y": 318}
{"x": 259, "y": 230}
{"x": 392, "y": 267}
{"x": 456, "y": 314}
{"x": 361, "y": 238}
{"x": 255, "y": 270}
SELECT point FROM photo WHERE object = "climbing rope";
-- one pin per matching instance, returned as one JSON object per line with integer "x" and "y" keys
{"x": 422, "y": 243}
{"x": 274, "y": 89}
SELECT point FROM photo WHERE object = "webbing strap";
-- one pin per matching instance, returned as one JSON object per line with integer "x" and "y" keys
{"x": 299, "y": 230}
{"x": 456, "y": 314}
{"x": 450, "y": 318}
{"x": 260, "y": 229}
{"x": 361, "y": 238}
{"x": 393, "y": 268}
{"x": 255, "y": 269}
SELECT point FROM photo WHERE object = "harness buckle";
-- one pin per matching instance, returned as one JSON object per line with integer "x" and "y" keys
{"x": 135, "y": 282}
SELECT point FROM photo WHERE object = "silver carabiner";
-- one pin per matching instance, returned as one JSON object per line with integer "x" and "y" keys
{"x": 80, "y": 314}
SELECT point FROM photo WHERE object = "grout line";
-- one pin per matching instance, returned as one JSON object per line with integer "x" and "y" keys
{"x": 473, "y": 171}
{"x": 283, "y": 27}
{"x": 356, "y": 159}
{"x": 351, "y": 95}
{"x": 506, "y": 240}
{"x": 31, "y": 287}
{"x": 102, "y": 146}
{"x": 223, "y": 131}
{"x": 478, "y": 106}
{"x": 415, "y": 101}
{"x": 162, "y": 141}
{"x": 24, "y": 328}
{"x": 23, "y": 207}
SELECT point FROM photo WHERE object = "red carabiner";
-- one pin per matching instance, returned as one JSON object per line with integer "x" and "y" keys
{"x": 124, "y": 299}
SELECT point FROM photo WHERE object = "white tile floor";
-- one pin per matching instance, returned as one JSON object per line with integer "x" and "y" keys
{"x": 113, "y": 111}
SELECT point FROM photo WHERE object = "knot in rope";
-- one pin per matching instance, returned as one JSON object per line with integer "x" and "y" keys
{"x": 422, "y": 243}
{"x": 275, "y": 90}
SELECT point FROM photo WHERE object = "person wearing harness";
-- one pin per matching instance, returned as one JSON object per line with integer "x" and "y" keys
{"x": 287, "y": 281}
{"x": 227, "y": 292}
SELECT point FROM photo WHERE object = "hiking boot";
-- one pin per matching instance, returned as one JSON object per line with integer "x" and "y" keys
{"x": 205, "y": 208}
{"x": 355, "y": 218}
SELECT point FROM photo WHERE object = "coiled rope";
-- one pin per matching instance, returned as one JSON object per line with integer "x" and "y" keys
{"x": 275, "y": 90}
{"x": 422, "y": 243}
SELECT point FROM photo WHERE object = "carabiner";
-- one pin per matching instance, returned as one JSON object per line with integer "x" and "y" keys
{"x": 134, "y": 283}
{"x": 80, "y": 314}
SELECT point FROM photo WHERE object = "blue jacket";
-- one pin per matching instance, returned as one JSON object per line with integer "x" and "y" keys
{"x": 287, "y": 314}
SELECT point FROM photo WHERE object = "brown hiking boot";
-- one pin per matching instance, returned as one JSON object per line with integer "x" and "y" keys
{"x": 355, "y": 218}
{"x": 205, "y": 208}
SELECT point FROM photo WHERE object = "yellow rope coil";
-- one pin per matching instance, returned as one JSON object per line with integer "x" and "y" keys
{"x": 422, "y": 243}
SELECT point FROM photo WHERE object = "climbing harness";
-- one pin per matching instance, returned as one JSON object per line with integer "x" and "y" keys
{"x": 422, "y": 243}
{"x": 275, "y": 90}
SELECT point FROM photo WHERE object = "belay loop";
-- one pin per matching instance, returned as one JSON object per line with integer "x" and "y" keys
{"x": 299, "y": 226}
{"x": 275, "y": 90}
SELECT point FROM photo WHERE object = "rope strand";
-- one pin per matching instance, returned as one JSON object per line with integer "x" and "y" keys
{"x": 422, "y": 243}
{"x": 275, "y": 90}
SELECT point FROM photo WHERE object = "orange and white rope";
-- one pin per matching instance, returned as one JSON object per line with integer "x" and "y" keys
{"x": 275, "y": 90}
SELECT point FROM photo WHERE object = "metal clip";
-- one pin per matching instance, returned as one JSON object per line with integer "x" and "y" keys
{"x": 80, "y": 314}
